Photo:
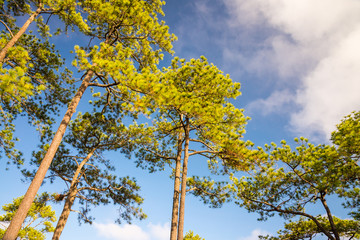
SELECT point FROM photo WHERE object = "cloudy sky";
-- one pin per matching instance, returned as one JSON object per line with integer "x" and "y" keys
{"x": 295, "y": 59}
{"x": 299, "y": 66}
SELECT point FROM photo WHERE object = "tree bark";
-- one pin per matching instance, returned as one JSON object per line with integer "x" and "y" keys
{"x": 183, "y": 181}
{"x": 65, "y": 212}
{"x": 12, "y": 42}
{"x": 331, "y": 220}
{"x": 20, "y": 215}
{"x": 175, "y": 208}
{"x": 70, "y": 198}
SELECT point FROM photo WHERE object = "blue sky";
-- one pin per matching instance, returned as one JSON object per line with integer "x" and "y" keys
{"x": 299, "y": 66}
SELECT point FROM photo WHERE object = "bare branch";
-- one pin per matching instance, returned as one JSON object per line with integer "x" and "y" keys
{"x": 12, "y": 35}
{"x": 104, "y": 85}
{"x": 94, "y": 189}
{"x": 201, "y": 152}
{"x": 83, "y": 215}
{"x": 159, "y": 155}
{"x": 203, "y": 143}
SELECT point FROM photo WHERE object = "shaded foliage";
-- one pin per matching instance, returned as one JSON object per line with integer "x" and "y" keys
{"x": 88, "y": 173}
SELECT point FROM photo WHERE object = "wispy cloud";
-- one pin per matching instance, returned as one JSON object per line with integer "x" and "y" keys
{"x": 278, "y": 101}
{"x": 307, "y": 50}
{"x": 332, "y": 89}
{"x": 133, "y": 232}
{"x": 121, "y": 232}
{"x": 159, "y": 232}
{"x": 313, "y": 48}
{"x": 255, "y": 235}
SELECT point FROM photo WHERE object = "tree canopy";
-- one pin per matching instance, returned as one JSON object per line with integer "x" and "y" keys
{"x": 38, "y": 222}
{"x": 193, "y": 116}
{"x": 190, "y": 236}
{"x": 80, "y": 163}
{"x": 188, "y": 105}
{"x": 287, "y": 181}
{"x": 120, "y": 48}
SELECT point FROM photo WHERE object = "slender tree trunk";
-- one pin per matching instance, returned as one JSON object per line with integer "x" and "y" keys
{"x": 20, "y": 215}
{"x": 175, "y": 209}
{"x": 183, "y": 181}
{"x": 65, "y": 212}
{"x": 12, "y": 42}
{"x": 331, "y": 220}
{"x": 70, "y": 198}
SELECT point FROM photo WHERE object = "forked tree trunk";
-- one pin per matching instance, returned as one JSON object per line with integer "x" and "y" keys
{"x": 20, "y": 215}
{"x": 183, "y": 181}
{"x": 70, "y": 198}
{"x": 175, "y": 208}
{"x": 16, "y": 37}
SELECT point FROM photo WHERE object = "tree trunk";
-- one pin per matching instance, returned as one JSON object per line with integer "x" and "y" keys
{"x": 12, "y": 42}
{"x": 331, "y": 220}
{"x": 70, "y": 198}
{"x": 65, "y": 212}
{"x": 175, "y": 209}
{"x": 183, "y": 181}
{"x": 20, "y": 215}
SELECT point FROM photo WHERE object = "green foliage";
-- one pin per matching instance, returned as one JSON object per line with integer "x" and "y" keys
{"x": 198, "y": 91}
{"x": 32, "y": 65}
{"x": 38, "y": 221}
{"x": 67, "y": 11}
{"x": 347, "y": 140}
{"x": 286, "y": 181}
{"x": 210, "y": 191}
{"x": 125, "y": 60}
{"x": 305, "y": 228}
{"x": 96, "y": 185}
{"x": 190, "y": 236}
{"x": 194, "y": 93}
{"x": 151, "y": 148}
{"x": 130, "y": 40}
{"x": 290, "y": 178}
{"x": 33, "y": 88}
{"x": 130, "y": 45}
{"x": 201, "y": 92}
{"x": 127, "y": 44}
{"x": 31, "y": 85}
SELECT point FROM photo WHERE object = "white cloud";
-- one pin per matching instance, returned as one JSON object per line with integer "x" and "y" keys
{"x": 313, "y": 46}
{"x": 304, "y": 20}
{"x": 159, "y": 232}
{"x": 278, "y": 101}
{"x": 121, "y": 232}
{"x": 133, "y": 232}
{"x": 254, "y": 235}
{"x": 332, "y": 90}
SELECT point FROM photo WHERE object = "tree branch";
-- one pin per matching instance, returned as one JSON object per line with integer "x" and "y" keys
{"x": 95, "y": 189}
{"x": 104, "y": 85}
{"x": 201, "y": 152}
{"x": 328, "y": 212}
{"x": 83, "y": 215}
{"x": 159, "y": 155}
{"x": 203, "y": 143}
{"x": 277, "y": 209}
{"x": 12, "y": 35}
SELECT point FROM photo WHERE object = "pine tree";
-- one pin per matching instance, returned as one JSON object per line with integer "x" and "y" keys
{"x": 128, "y": 46}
